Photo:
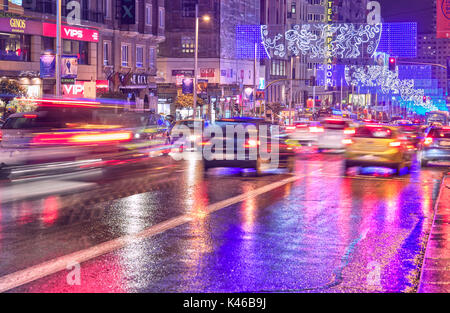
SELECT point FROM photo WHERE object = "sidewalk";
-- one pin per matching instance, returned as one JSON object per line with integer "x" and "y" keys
{"x": 435, "y": 276}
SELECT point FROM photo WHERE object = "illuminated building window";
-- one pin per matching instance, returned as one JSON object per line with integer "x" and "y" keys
{"x": 148, "y": 14}
{"x": 14, "y": 47}
{"x": 78, "y": 48}
{"x": 187, "y": 45}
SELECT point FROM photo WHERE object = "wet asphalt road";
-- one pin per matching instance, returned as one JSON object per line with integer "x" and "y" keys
{"x": 322, "y": 232}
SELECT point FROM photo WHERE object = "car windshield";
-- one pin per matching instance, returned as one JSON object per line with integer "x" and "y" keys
{"x": 190, "y": 124}
{"x": 335, "y": 124}
{"x": 439, "y": 133}
{"x": 30, "y": 123}
{"x": 373, "y": 132}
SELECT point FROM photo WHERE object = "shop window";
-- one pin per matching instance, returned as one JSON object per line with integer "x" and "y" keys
{"x": 48, "y": 44}
{"x": 78, "y": 48}
{"x": 15, "y": 47}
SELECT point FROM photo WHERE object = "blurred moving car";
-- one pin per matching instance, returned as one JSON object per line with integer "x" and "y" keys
{"x": 332, "y": 132}
{"x": 435, "y": 146}
{"x": 305, "y": 133}
{"x": 412, "y": 132}
{"x": 247, "y": 150}
{"x": 379, "y": 146}
{"x": 67, "y": 138}
{"x": 177, "y": 136}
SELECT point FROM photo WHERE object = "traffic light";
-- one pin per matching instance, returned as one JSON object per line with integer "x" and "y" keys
{"x": 424, "y": 99}
{"x": 392, "y": 64}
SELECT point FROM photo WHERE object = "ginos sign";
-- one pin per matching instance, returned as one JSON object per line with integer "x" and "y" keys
{"x": 17, "y": 23}
{"x": 69, "y": 32}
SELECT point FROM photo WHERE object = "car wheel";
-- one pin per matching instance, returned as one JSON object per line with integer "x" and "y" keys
{"x": 345, "y": 169}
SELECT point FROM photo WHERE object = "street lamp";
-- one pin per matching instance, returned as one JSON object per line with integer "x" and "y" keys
{"x": 58, "y": 49}
{"x": 205, "y": 18}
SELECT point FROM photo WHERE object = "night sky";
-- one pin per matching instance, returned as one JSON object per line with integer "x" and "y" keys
{"x": 420, "y": 11}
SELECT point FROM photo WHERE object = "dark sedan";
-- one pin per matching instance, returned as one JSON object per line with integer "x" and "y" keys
{"x": 247, "y": 143}
{"x": 435, "y": 146}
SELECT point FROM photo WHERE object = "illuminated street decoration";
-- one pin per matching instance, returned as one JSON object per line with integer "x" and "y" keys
{"x": 388, "y": 81}
{"x": 272, "y": 44}
{"x": 347, "y": 41}
{"x": 399, "y": 39}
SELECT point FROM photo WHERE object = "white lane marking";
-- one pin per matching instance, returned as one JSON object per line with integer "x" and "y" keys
{"x": 38, "y": 271}
{"x": 40, "y": 188}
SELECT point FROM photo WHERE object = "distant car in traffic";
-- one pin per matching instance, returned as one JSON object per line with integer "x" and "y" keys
{"x": 435, "y": 145}
{"x": 331, "y": 133}
{"x": 61, "y": 139}
{"x": 194, "y": 128}
{"x": 412, "y": 132}
{"x": 304, "y": 132}
{"x": 246, "y": 150}
{"x": 378, "y": 146}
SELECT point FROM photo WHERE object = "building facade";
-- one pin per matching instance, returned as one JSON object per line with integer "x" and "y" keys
{"x": 227, "y": 77}
{"x": 113, "y": 55}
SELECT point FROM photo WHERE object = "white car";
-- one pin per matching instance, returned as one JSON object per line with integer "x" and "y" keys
{"x": 334, "y": 131}
{"x": 305, "y": 132}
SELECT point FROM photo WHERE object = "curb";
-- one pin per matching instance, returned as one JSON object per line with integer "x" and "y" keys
{"x": 435, "y": 210}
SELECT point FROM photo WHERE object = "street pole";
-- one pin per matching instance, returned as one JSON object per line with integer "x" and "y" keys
{"x": 314, "y": 91}
{"x": 58, "y": 49}
{"x": 254, "y": 78}
{"x": 342, "y": 86}
{"x": 195, "y": 60}
{"x": 291, "y": 91}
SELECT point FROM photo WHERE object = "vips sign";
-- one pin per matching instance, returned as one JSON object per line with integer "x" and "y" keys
{"x": 70, "y": 32}
{"x": 443, "y": 19}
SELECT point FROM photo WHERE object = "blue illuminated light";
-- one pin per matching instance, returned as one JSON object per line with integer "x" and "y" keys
{"x": 399, "y": 39}
{"x": 246, "y": 38}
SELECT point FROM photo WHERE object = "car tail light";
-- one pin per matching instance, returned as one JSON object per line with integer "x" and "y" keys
{"x": 347, "y": 141}
{"x": 395, "y": 144}
{"x": 251, "y": 143}
{"x": 102, "y": 137}
{"x": 349, "y": 131}
{"x": 205, "y": 143}
{"x": 301, "y": 125}
{"x": 30, "y": 115}
{"x": 81, "y": 138}
{"x": 428, "y": 141}
{"x": 316, "y": 129}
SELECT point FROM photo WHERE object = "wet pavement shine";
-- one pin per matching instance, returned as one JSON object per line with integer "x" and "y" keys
{"x": 316, "y": 232}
